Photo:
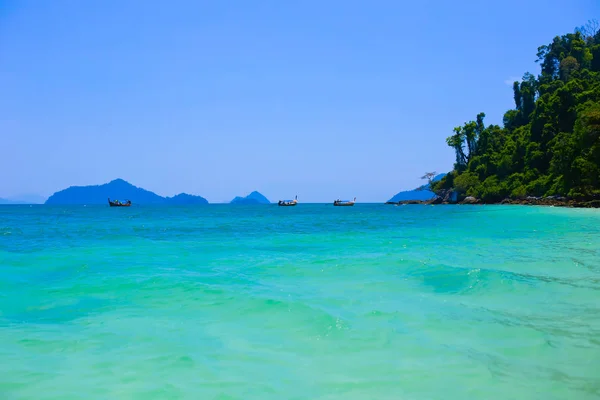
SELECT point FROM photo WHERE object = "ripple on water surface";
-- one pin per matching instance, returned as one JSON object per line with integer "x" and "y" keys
{"x": 309, "y": 302}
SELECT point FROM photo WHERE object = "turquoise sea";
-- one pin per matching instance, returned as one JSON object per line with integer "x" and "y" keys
{"x": 306, "y": 302}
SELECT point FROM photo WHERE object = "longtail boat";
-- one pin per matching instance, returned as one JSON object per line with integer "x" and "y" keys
{"x": 117, "y": 203}
{"x": 288, "y": 203}
{"x": 344, "y": 203}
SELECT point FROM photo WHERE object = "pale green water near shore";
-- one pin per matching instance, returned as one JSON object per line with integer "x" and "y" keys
{"x": 311, "y": 302}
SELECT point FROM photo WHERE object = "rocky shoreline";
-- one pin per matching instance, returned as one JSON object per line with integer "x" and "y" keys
{"x": 553, "y": 201}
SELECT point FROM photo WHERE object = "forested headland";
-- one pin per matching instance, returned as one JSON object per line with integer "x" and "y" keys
{"x": 549, "y": 144}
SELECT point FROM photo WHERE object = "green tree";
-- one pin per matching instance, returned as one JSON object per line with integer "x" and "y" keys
{"x": 466, "y": 181}
{"x": 456, "y": 142}
{"x": 567, "y": 66}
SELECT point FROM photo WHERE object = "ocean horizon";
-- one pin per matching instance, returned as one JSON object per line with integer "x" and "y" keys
{"x": 300, "y": 204}
{"x": 309, "y": 302}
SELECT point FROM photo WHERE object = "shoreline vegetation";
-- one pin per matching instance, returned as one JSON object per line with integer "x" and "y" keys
{"x": 548, "y": 150}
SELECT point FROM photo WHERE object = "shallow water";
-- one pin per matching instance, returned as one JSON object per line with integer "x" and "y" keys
{"x": 306, "y": 302}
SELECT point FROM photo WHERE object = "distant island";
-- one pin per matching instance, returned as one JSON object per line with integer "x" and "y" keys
{"x": 548, "y": 149}
{"x": 253, "y": 198}
{"x": 422, "y": 193}
{"x": 121, "y": 190}
{"x": 23, "y": 199}
{"x": 7, "y": 201}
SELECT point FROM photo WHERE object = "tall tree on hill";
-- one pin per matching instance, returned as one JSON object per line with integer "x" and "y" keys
{"x": 456, "y": 142}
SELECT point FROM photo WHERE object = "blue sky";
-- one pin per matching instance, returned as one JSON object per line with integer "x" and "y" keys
{"x": 323, "y": 99}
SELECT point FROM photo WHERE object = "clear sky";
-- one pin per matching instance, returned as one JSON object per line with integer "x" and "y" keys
{"x": 323, "y": 99}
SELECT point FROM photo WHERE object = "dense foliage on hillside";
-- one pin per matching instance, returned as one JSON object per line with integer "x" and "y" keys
{"x": 550, "y": 142}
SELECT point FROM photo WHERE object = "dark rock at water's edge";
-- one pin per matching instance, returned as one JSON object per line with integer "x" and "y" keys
{"x": 470, "y": 200}
{"x": 446, "y": 197}
{"x": 554, "y": 201}
{"x": 413, "y": 202}
{"x": 118, "y": 190}
{"x": 253, "y": 198}
{"x": 436, "y": 200}
{"x": 421, "y": 193}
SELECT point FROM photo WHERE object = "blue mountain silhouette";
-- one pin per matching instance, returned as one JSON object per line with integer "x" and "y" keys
{"x": 420, "y": 193}
{"x": 24, "y": 199}
{"x": 6, "y": 201}
{"x": 252, "y": 198}
{"x": 184, "y": 198}
{"x": 118, "y": 190}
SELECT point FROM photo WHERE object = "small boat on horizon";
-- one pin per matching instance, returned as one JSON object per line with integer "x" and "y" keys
{"x": 344, "y": 203}
{"x": 117, "y": 203}
{"x": 288, "y": 203}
